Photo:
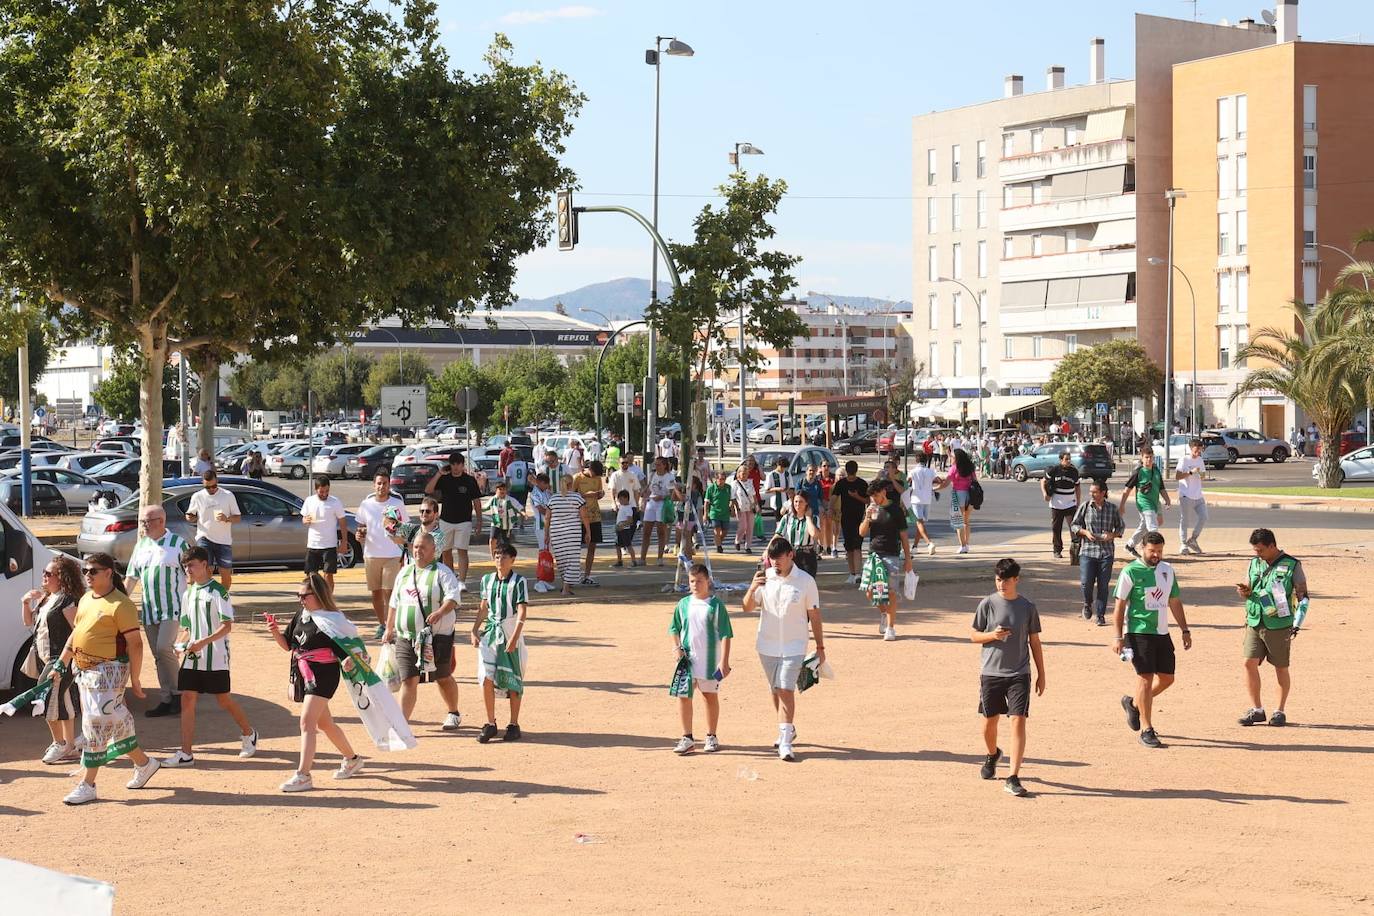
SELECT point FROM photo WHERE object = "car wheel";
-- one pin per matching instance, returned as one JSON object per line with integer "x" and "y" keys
{"x": 1218, "y": 467}
{"x": 1340, "y": 476}
{"x": 19, "y": 681}
{"x": 1019, "y": 473}
{"x": 297, "y": 472}
{"x": 1235, "y": 455}
{"x": 858, "y": 449}
{"x": 349, "y": 557}
{"x": 768, "y": 440}
{"x": 1280, "y": 455}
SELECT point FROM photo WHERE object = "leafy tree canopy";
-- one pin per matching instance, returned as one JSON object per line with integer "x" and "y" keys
{"x": 1107, "y": 372}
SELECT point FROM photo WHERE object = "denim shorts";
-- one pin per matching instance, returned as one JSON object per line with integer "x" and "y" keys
{"x": 221, "y": 555}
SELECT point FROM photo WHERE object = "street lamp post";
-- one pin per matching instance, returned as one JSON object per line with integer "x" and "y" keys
{"x": 743, "y": 149}
{"x": 1173, "y": 196}
{"x": 654, "y": 59}
{"x": 1192, "y": 419}
{"x": 982, "y": 423}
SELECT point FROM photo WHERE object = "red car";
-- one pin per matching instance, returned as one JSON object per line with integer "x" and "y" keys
{"x": 885, "y": 441}
{"x": 1350, "y": 440}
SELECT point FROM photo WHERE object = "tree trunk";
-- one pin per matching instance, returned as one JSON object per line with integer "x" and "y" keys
{"x": 205, "y": 362}
{"x": 153, "y": 344}
{"x": 1329, "y": 464}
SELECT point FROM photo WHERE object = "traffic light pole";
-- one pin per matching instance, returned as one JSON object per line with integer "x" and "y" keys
{"x": 650, "y": 397}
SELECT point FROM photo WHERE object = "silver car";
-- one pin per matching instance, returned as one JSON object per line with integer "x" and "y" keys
{"x": 269, "y": 534}
{"x": 290, "y": 462}
{"x": 81, "y": 462}
{"x": 77, "y": 489}
{"x": 1214, "y": 453}
{"x": 1356, "y": 465}
{"x": 1246, "y": 443}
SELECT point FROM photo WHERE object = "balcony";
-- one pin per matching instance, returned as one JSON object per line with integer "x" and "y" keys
{"x": 1067, "y": 318}
{"x": 1082, "y": 263}
{"x": 1072, "y": 212}
{"x": 1029, "y": 166}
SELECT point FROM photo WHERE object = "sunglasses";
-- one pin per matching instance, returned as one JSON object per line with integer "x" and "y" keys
{"x": 92, "y": 570}
{"x": 48, "y": 573}
{"x": 304, "y": 595}
{"x": 426, "y": 511}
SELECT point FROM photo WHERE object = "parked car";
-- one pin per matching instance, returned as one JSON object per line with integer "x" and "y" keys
{"x": 290, "y": 462}
{"x": 127, "y": 445}
{"x": 773, "y": 430}
{"x": 326, "y": 437}
{"x": 453, "y": 434}
{"x": 1092, "y": 460}
{"x": 77, "y": 489}
{"x": 1350, "y": 440}
{"x": 1356, "y": 465}
{"x": 799, "y": 457}
{"x": 12, "y": 459}
{"x": 1246, "y": 443}
{"x": 424, "y": 451}
{"x": 125, "y": 471}
{"x": 866, "y": 441}
{"x": 408, "y": 481}
{"x": 1214, "y": 453}
{"x": 366, "y": 464}
{"x": 333, "y": 460}
{"x": 518, "y": 440}
{"x": 269, "y": 534}
{"x": 36, "y": 443}
{"x": 46, "y": 498}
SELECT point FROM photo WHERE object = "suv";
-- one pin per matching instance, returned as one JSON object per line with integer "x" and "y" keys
{"x": 1246, "y": 443}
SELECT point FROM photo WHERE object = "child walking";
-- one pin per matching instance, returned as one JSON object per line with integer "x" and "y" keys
{"x": 498, "y": 635}
{"x": 207, "y": 616}
{"x": 701, "y": 635}
{"x": 503, "y": 512}
{"x": 718, "y": 508}
{"x": 624, "y": 529}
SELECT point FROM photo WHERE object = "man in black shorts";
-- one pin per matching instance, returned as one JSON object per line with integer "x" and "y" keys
{"x": 1146, "y": 594}
{"x": 1007, "y": 626}
{"x": 850, "y": 494}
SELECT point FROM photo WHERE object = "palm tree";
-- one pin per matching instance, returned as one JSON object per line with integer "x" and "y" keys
{"x": 1312, "y": 366}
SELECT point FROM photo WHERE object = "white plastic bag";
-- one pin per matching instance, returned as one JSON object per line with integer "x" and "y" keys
{"x": 386, "y": 668}
{"x": 909, "y": 585}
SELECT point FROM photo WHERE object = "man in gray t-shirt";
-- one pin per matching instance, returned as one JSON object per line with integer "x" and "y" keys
{"x": 1007, "y": 626}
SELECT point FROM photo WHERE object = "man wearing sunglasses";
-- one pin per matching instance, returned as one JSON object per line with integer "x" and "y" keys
{"x": 155, "y": 567}
{"x": 214, "y": 511}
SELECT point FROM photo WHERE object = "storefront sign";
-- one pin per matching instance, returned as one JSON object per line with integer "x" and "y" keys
{"x": 932, "y": 394}
{"x": 1026, "y": 391}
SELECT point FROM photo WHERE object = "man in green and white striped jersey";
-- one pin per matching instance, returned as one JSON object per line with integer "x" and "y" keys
{"x": 203, "y": 644}
{"x": 425, "y": 598}
{"x": 155, "y": 567}
{"x": 498, "y": 635}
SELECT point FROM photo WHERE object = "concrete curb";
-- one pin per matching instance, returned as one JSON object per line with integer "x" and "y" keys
{"x": 1297, "y": 504}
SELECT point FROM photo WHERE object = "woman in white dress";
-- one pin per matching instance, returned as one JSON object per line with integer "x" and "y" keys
{"x": 567, "y": 531}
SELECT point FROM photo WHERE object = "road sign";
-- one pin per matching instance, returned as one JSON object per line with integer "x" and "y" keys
{"x": 404, "y": 406}
{"x": 40, "y": 412}
{"x": 1101, "y": 408}
{"x": 466, "y": 398}
{"x": 720, "y": 408}
{"x": 625, "y": 397}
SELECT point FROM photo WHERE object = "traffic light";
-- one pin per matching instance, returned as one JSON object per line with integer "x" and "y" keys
{"x": 639, "y": 404}
{"x": 567, "y": 222}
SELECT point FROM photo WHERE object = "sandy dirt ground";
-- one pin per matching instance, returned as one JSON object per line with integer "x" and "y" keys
{"x": 883, "y": 811}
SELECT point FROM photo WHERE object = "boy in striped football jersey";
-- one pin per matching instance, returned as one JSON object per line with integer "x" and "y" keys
{"x": 203, "y": 645}
{"x": 701, "y": 633}
{"x": 498, "y": 635}
{"x": 503, "y": 512}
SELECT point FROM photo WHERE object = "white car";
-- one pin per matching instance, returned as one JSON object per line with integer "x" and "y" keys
{"x": 290, "y": 462}
{"x": 81, "y": 462}
{"x": 333, "y": 460}
{"x": 1356, "y": 465}
{"x": 27, "y": 556}
{"x": 453, "y": 434}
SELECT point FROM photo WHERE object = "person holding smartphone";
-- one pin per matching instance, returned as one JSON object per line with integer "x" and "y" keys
{"x": 1189, "y": 475}
{"x": 889, "y": 555}
{"x": 214, "y": 511}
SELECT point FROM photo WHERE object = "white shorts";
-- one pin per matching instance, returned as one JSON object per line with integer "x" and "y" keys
{"x": 456, "y": 534}
{"x": 653, "y": 511}
{"x": 486, "y": 661}
{"x": 708, "y": 685}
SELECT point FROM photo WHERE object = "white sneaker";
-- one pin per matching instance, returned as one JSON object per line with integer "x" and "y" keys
{"x": 890, "y": 635}
{"x": 712, "y": 744}
{"x": 55, "y": 752}
{"x": 462, "y": 585}
{"x": 785, "y": 736}
{"x": 685, "y": 745}
{"x": 84, "y": 792}
{"x": 144, "y": 773}
{"x": 180, "y": 759}
{"x": 963, "y": 548}
{"x": 249, "y": 744}
{"x": 452, "y": 721}
{"x": 348, "y": 768}
{"x": 300, "y": 782}
{"x": 930, "y": 549}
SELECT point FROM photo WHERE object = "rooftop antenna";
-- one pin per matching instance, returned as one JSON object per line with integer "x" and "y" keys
{"x": 1194, "y": 3}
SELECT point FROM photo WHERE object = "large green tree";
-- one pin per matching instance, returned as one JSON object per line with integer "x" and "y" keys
{"x": 456, "y": 376}
{"x": 404, "y": 368}
{"x": 626, "y": 362}
{"x": 218, "y": 177}
{"x": 725, "y": 271}
{"x": 530, "y": 381}
{"x": 1104, "y": 373}
{"x": 119, "y": 394}
{"x": 897, "y": 379}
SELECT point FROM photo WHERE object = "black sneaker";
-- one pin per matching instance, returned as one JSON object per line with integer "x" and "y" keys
{"x": 512, "y": 733}
{"x": 1059, "y": 554}
{"x": 1087, "y": 612}
{"x": 1132, "y": 714}
{"x": 1278, "y": 719}
{"x": 1253, "y": 717}
{"x": 989, "y": 768}
{"x": 488, "y": 732}
{"x": 161, "y": 709}
{"x": 1150, "y": 739}
{"x": 1130, "y": 548}
{"x": 1102, "y": 621}
{"x": 1013, "y": 787}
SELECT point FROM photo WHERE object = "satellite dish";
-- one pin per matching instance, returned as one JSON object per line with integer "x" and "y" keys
{"x": 1224, "y": 23}
{"x": 1267, "y": 16}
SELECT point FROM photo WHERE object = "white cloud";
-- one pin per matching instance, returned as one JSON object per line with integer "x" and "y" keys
{"x": 536, "y": 17}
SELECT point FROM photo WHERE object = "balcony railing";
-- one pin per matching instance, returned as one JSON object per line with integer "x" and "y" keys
{"x": 1066, "y": 159}
{"x": 1067, "y": 318}
{"x": 1071, "y": 212}
{"x": 1082, "y": 263}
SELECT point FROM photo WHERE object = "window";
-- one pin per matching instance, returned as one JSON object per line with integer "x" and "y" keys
{"x": 932, "y": 263}
{"x": 1241, "y": 117}
{"x": 982, "y": 163}
{"x": 1224, "y": 287}
{"x": 1038, "y": 192}
{"x": 1309, "y": 107}
{"x": 1037, "y": 347}
{"x": 1223, "y": 177}
{"x": 982, "y": 259}
{"x": 932, "y": 215}
{"x": 1309, "y": 227}
{"x": 983, "y": 309}
{"x": 1071, "y": 135}
{"x": 1309, "y": 168}
{"x": 1008, "y": 248}
{"x": 1008, "y": 198}
{"x": 1037, "y": 140}
{"x": 957, "y": 253}
{"x": 958, "y": 312}
{"x": 1309, "y": 283}
{"x": 1242, "y": 174}
{"x": 934, "y": 311}
{"x": 956, "y": 212}
{"x": 958, "y": 358}
{"x": 954, "y": 160}
{"x": 934, "y": 360}
{"x": 930, "y": 166}
{"x": 1071, "y": 343}
{"x": 1071, "y": 238}
{"x": 1224, "y": 353}
{"x": 1008, "y": 145}
{"x": 1037, "y": 245}
{"x": 982, "y": 209}
{"x": 1008, "y": 348}
{"x": 1224, "y": 118}
{"x": 1242, "y": 231}
{"x": 1223, "y": 233}
{"x": 1242, "y": 341}
{"x": 1242, "y": 291}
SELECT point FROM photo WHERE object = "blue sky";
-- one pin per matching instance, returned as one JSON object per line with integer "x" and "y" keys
{"x": 827, "y": 90}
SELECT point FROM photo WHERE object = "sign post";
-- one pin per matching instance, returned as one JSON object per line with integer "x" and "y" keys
{"x": 465, "y": 400}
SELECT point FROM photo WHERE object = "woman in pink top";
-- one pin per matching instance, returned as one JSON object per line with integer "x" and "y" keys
{"x": 960, "y": 479}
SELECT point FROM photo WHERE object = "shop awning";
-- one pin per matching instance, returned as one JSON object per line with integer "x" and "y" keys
{"x": 935, "y": 410}
{"x": 1003, "y": 405}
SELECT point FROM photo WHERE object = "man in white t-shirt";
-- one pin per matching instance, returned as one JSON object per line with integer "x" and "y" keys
{"x": 593, "y": 449}
{"x": 379, "y": 515}
{"x": 667, "y": 448}
{"x": 322, "y": 514}
{"x": 787, "y": 601}
{"x": 573, "y": 458}
{"x": 625, "y": 478}
{"x": 918, "y": 496}
{"x": 1189, "y": 475}
{"x": 214, "y": 511}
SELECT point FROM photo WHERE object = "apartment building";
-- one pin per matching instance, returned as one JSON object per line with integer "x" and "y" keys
{"x": 1271, "y": 145}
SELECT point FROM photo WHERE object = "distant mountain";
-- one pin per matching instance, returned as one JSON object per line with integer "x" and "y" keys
{"x": 625, "y": 299}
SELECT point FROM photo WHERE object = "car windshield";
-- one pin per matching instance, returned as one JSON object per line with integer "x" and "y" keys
{"x": 105, "y": 466}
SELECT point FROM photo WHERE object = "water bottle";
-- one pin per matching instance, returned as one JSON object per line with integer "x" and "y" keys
{"x": 1127, "y": 654}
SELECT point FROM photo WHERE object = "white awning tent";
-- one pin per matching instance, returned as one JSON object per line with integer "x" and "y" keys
{"x": 1003, "y": 405}
{"x": 935, "y": 410}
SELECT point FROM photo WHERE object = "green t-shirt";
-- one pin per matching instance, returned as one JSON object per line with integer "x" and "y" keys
{"x": 1146, "y": 590}
{"x": 1271, "y": 592}
{"x": 613, "y": 456}
{"x": 718, "y": 502}
{"x": 1149, "y": 484}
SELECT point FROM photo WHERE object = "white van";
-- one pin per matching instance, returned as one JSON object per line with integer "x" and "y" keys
{"x": 24, "y": 557}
